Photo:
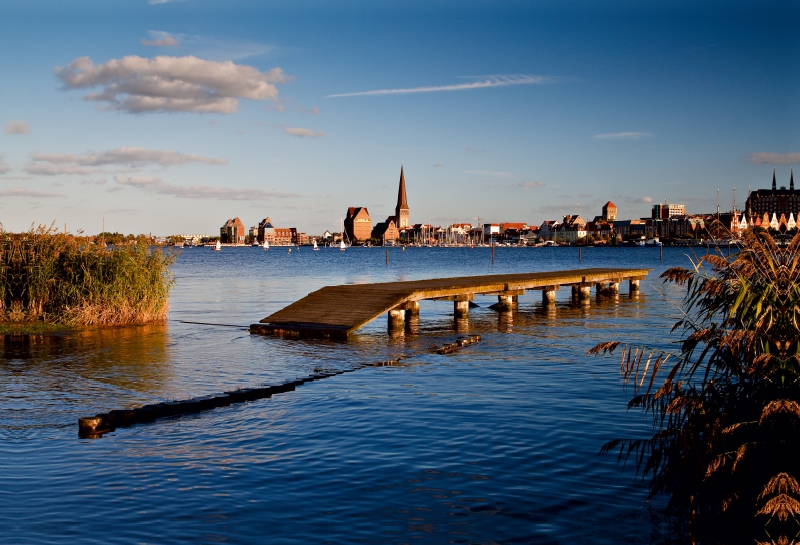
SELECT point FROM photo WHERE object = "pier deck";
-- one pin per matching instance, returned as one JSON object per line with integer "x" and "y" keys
{"x": 337, "y": 311}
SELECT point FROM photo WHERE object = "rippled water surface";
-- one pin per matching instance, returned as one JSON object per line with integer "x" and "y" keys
{"x": 496, "y": 443}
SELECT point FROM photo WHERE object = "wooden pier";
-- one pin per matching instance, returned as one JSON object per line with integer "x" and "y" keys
{"x": 335, "y": 312}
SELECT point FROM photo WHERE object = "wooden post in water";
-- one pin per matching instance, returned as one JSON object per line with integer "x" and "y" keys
{"x": 661, "y": 251}
{"x": 729, "y": 248}
{"x": 387, "y": 256}
{"x": 580, "y": 256}
{"x": 492, "y": 251}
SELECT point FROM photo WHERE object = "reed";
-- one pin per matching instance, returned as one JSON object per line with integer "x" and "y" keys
{"x": 49, "y": 277}
{"x": 725, "y": 409}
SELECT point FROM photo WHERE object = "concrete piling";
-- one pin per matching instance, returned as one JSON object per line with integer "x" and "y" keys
{"x": 633, "y": 285}
{"x": 397, "y": 319}
{"x": 549, "y": 295}
{"x": 461, "y": 309}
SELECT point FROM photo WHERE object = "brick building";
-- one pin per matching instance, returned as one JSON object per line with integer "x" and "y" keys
{"x": 774, "y": 201}
{"x": 357, "y": 223}
{"x": 386, "y": 231}
{"x": 233, "y": 232}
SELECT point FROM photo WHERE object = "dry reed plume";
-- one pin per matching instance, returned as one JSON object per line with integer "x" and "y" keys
{"x": 55, "y": 278}
{"x": 725, "y": 410}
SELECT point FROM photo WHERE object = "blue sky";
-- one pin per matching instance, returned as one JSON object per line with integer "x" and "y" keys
{"x": 172, "y": 117}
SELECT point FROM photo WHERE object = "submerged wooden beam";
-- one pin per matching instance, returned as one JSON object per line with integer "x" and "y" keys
{"x": 335, "y": 312}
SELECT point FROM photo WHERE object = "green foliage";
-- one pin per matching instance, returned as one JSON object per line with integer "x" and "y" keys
{"x": 725, "y": 409}
{"x": 56, "y": 278}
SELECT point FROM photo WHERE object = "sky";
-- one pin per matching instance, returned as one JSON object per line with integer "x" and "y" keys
{"x": 169, "y": 117}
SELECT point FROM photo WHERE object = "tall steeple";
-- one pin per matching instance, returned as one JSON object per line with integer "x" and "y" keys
{"x": 791, "y": 179}
{"x": 774, "y": 183}
{"x": 401, "y": 210}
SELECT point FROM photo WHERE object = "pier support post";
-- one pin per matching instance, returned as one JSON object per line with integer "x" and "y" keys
{"x": 397, "y": 319}
{"x": 506, "y": 302}
{"x": 411, "y": 308}
{"x": 585, "y": 293}
{"x": 633, "y": 285}
{"x": 461, "y": 309}
{"x": 549, "y": 295}
{"x": 613, "y": 287}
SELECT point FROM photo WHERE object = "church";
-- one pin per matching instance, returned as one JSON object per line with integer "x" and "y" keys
{"x": 390, "y": 229}
{"x": 777, "y": 201}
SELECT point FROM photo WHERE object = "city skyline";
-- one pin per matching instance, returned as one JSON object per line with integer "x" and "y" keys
{"x": 171, "y": 116}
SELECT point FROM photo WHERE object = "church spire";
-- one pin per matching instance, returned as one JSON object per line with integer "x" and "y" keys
{"x": 401, "y": 210}
{"x": 791, "y": 179}
{"x": 774, "y": 183}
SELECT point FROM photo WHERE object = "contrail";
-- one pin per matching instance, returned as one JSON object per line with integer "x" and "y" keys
{"x": 494, "y": 81}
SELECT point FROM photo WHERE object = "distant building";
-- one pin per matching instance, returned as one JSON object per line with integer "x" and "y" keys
{"x": 572, "y": 228}
{"x": 774, "y": 201}
{"x": 233, "y": 232}
{"x": 276, "y": 236}
{"x": 666, "y": 211}
{"x": 548, "y": 229}
{"x": 358, "y": 224}
{"x": 609, "y": 211}
{"x": 253, "y": 233}
{"x": 386, "y": 231}
{"x": 491, "y": 232}
{"x": 401, "y": 212}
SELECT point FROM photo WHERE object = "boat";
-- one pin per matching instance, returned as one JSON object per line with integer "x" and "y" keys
{"x": 266, "y": 245}
{"x": 342, "y": 245}
{"x": 315, "y": 245}
{"x": 218, "y": 246}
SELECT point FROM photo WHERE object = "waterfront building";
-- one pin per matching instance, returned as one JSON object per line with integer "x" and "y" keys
{"x": 571, "y": 229}
{"x": 491, "y": 232}
{"x": 776, "y": 200}
{"x": 276, "y": 236}
{"x": 401, "y": 211}
{"x": 548, "y": 229}
{"x": 357, "y": 223}
{"x": 386, "y": 231}
{"x": 233, "y": 232}
{"x": 609, "y": 212}
{"x": 666, "y": 211}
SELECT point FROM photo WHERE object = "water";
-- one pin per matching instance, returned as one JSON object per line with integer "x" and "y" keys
{"x": 496, "y": 443}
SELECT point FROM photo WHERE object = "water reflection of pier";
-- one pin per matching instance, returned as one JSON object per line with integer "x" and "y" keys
{"x": 337, "y": 311}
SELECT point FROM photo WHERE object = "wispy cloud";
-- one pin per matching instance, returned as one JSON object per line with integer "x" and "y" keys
{"x": 101, "y": 181}
{"x": 488, "y": 81}
{"x": 470, "y": 149}
{"x": 158, "y": 2}
{"x": 437, "y": 165}
{"x": 159, "y": 39}
{"x": 301, "y": 132}
{"x": 4, "y": 167}
{"x": 528, "y": 185}
{"x": 16, "y": 126}
{"x": 490, "y": 173}
{"x": 21, "y": 192}
{"x": 155, "y": 185}
{"x": 137, "y": 85}
{"x": 52, "y": 164}
{"x": 623, "y": 136}
{"x": 642, "y": 200}
{"x": 774, "y": 158}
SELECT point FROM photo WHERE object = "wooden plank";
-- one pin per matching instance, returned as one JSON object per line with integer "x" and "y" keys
{"x": 337, "y": 311}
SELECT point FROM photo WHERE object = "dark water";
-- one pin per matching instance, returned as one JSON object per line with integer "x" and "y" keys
{"x": 497, "y": 443}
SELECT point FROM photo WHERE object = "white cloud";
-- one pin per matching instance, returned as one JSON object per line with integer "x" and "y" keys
{"x": 55, "y": 169}
{"x": 643, "y": 200}
{"x": 623, "y": 136}
{"x": 437, "y": 165}
{"x": 52, "y": 164}
{"x": 155, "y": 185}
{"x": 297, "y": 131}
{"x": 21, "y": 192}
{"x": 159, "y": 39}
{"x": 4, "y": 167}
{"x": 528, "y": 185}
{"x": 490, "y": 81}
{"x": 17, "y": 126}
{"x": 473, "y": 150}
{"x": 775, "y": 158}
{"x": 170, "y": 84}
{"x": 159, "y": 2}
{"x": 490, "y": 173}
{"x": 101, "y": 181}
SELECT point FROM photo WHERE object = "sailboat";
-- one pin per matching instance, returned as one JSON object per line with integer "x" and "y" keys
{"x": 315, "y": 245}
{"x": 266, "y": 245}
{"x": 218, "y": 246}
{"x": 342, "y": 245}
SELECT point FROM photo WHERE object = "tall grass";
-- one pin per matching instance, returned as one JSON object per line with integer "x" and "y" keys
{"x": 726, "y": 405}
{"x": 46, "y": 276}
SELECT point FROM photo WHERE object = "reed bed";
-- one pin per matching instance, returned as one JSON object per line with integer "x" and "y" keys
{"x": 53, "y": 278}
{"x": 726, "y": 403}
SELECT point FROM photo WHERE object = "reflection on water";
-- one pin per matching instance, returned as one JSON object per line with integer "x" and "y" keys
{"x": 495, "y": 443}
